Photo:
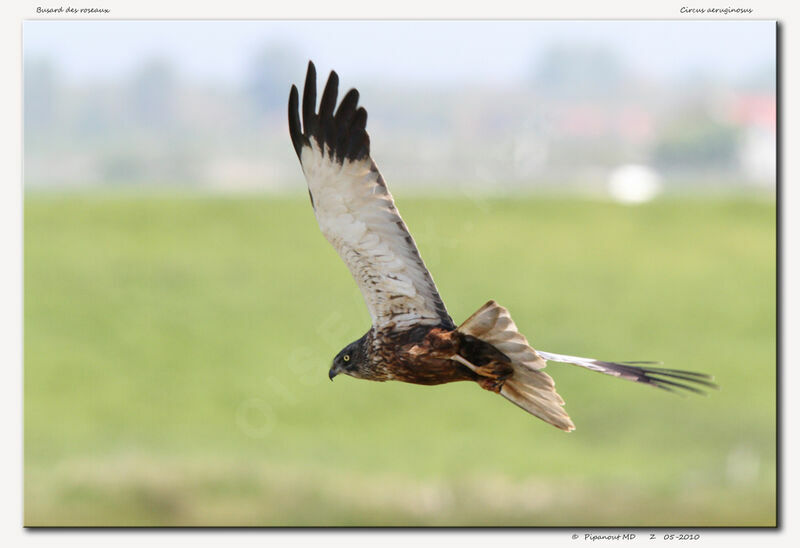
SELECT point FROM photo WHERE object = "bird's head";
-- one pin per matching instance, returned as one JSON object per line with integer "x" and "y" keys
{"x": 351, "y": 360}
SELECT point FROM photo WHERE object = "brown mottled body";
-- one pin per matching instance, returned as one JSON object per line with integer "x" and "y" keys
{"x": 436, "y": 356}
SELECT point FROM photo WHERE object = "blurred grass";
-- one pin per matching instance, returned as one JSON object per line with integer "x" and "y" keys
{"x": 176, "y": 355}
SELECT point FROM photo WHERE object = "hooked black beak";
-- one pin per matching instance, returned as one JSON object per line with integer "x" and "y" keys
{"x": 333, "y": 372}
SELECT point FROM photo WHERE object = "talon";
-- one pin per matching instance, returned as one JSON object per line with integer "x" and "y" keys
{"x": 492, "y": 385}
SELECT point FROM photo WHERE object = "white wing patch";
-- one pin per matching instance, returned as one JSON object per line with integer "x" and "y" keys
{"x": 357, "y": 215}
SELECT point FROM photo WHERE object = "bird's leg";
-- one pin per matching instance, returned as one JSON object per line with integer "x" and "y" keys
{"x": 492, "y": 375}
{"x": 492, "y": 385}
{"x": 463, "y": 361}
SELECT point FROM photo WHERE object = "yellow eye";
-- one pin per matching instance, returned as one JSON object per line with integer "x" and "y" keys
{"x": 346, "y": 357}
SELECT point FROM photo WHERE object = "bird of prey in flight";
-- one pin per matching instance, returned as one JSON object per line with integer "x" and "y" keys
{"x": 412, "y": 337}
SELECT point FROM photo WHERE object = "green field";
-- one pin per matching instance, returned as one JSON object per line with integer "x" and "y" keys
{"x": 177, "y": 347}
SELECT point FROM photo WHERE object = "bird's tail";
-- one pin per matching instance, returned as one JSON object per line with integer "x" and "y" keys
{"x": 528, "y": 387}
{"x": 534, "y": 390}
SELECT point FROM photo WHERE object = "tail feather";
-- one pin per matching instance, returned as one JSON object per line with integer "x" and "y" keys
{"x": 528, "y": 387}
{"x": 493, "y": 324}
{"x": 534, "y": 390}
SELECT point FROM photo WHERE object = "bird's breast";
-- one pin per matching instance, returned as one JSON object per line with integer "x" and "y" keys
{"x": 420, "y": 357}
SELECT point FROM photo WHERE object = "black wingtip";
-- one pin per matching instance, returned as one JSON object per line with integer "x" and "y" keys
{"x": 343, "y": 133}
{"x": 310, "y": 101}
{"x": 326, "y": 107}
{"x": 295, "y": 130}
{"x": 311, "y": 72}
{"x": 662, "y": 377}
{"x": 329, "y": 94}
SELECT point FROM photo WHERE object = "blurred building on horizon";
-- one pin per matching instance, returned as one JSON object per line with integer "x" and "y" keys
{"x": 580, "y": 114}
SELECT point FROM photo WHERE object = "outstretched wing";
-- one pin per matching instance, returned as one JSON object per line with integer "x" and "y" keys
{"x": 666, "y": 379}
{"x": 355, "y": 210}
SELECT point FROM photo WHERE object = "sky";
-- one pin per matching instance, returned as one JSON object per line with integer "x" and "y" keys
{"x": 402, "y": 51}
